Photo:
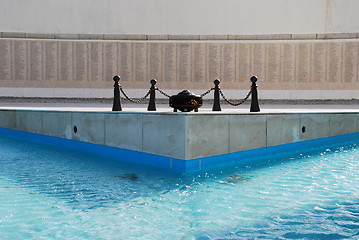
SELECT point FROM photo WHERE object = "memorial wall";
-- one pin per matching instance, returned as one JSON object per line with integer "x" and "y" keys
{"x": 299, "y": 49}
{"x": 311, "y": 64}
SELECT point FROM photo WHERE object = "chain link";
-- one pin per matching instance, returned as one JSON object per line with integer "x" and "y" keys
{"x": 133, "y": 100}
{"x": 235, "y": 104}
{"x": 162, "y": 92}
{"x": 202, "y": 95}
{"x": 205, "y": 93}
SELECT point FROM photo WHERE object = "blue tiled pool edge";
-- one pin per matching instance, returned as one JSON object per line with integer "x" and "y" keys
{"x": 295, "y": 149}
{"x": 173, "y": 164}
{"x": 101, "y": 150}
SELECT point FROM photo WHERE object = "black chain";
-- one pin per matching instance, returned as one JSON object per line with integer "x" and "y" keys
{"x": 202, "y": 95}
{"x": 234, "y": 104}
{"x": 205, "y": 93}
{"x": 162, "y": 92}
{"x": 133, "y": 100}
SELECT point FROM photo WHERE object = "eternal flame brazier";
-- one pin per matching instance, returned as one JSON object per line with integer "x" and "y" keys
{"x": 185, "y": 101}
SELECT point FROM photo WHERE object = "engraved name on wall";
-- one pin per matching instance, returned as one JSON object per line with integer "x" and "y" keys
{"x": 299, "y": 64}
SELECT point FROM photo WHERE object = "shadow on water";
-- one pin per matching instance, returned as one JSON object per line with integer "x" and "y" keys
{"x": 84, "y": 180}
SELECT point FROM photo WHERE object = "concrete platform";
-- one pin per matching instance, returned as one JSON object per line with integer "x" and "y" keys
{"x": 206, "y": 108}
{"x": 181, "y": 141}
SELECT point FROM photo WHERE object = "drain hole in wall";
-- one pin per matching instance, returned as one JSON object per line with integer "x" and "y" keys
{"x": 75, "y": 129}
{"x": 303, "y": 129}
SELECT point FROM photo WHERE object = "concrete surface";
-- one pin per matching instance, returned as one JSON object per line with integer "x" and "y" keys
{"x": 181, "y": 136}
{"x": 88, "y": 18}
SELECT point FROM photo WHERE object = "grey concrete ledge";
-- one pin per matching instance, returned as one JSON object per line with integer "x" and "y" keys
{"x": 158, "y": 37}
{"x": 304, "y": 36}
{"x": 183, "y": 37}
{"x": 214, "y": 37}
{"x": 40, "y": 35}
{"x": 91, "y": 36}
{"x": 191, "y": 37}
{"x": 13, "y": 35}
{"x": 338, "y": 36}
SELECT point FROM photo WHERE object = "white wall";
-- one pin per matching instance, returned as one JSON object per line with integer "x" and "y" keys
{"x": 179, "y": 17}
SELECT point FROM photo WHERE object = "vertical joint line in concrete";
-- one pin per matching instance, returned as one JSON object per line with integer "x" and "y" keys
{"x": 185, "y": 139}
{"x": 71, "y": 126}
{"x": 330, "y": 125}
{"x": 229, "y": 134}
{"x": 266, "y": 130}
{"x": 141, "y": 118}
{"x": 104, "y": 129}
{"x": 42, "y": 122}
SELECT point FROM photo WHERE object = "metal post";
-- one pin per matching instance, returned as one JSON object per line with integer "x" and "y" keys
{"x": 216, "y": 103}
{"x": 254, "y": 98}
{"x": 116, "y": 95}
{"x": 152, "y": 103}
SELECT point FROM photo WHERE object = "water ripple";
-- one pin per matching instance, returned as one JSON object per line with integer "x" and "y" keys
{"x": 57, "y": 194}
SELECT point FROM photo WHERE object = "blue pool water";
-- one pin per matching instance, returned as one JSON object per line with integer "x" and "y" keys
{"x": 54, "y": 193}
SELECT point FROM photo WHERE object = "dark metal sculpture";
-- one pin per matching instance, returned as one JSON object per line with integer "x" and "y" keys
{"x": 185, "y": 101}
{"x": 116, "y": 99}
{"x": 216, "y": 102}
{"x": 152, "y": 102}
{"x": 254, "y": 99}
